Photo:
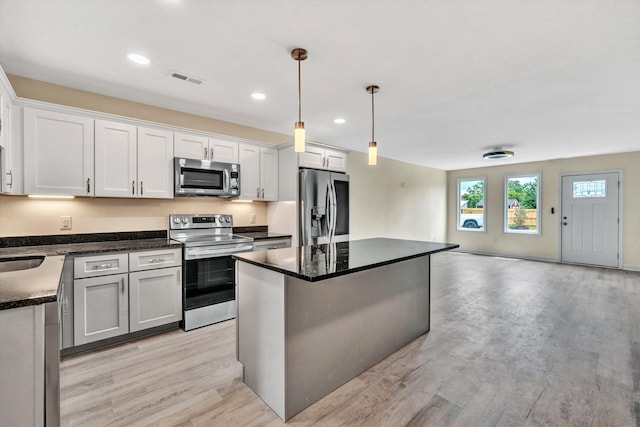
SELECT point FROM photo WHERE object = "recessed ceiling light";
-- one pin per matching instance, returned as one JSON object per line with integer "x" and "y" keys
{"x": 259, "y": 96}
{"x": 138, "y": 59}
{"x": 339, "y": 121}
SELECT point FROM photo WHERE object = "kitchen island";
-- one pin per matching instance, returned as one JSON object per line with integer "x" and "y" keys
{"x": 312, "y": 318}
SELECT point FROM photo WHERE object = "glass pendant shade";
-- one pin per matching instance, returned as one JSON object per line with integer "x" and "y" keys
{"x": 298, "y": 138}
{"x": 373, "y": 153}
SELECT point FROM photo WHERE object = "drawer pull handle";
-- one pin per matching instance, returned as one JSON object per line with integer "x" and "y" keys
{"x": 102, "y": 266}
{"x": 156, "y": 260}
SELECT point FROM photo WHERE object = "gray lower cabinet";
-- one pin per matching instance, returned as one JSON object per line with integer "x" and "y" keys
{"x": 155, "y": 298}
{"x": 100, "y": 308}
{"x": 116, "y": 294}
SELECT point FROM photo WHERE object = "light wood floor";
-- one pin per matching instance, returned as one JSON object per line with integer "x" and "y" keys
{"x": 512, "y": 343}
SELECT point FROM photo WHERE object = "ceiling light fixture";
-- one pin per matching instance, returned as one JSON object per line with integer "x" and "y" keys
{"x": 339, "y": 121}
{"x": 138, "y": 59}
{"x": 299, "y": 55}
{"x": 258, "y": 96}
{"x": 497, "y": 154}
{"x": 373, "y": 146}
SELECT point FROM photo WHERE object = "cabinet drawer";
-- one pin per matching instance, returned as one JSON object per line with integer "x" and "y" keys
{"x": 148, "y": 260}
{"x": 100, "y": 265}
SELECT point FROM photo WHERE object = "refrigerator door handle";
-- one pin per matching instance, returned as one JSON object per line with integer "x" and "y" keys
{"x": 328, "y": 210}
{"x": 333, "y": 210}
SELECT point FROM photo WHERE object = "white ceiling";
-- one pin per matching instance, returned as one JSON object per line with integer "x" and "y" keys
{"x": 546, "y": 79}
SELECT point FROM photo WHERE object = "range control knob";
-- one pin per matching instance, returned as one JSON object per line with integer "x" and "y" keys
{"x": 185, "y": 220}
{"x": 227, "y": 219}
{"x": 176, "y": 220}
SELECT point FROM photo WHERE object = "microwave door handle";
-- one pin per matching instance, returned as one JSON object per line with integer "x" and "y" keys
{"x": 227, "y": 181}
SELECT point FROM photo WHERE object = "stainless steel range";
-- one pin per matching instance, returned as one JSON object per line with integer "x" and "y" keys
{"x": 208, "y": 294}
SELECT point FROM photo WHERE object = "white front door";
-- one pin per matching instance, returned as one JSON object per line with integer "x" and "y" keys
{"x": 590, "y": 219}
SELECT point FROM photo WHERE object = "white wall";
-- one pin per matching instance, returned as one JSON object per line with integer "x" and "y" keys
{"x": 545, "y": 246}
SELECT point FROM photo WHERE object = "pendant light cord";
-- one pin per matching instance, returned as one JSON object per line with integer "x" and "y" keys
{"x": 299, "y": 93}
{"x": 373, "y": 117}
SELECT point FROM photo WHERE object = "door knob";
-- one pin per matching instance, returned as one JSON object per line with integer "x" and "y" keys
{"x": 564, "y": 223}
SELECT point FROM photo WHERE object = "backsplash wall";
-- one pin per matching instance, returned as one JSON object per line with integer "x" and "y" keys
{"x": 22, "y": 216}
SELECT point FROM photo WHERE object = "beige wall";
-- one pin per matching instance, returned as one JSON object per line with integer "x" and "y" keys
{"x": 396, "y": 199}
{"x": 546, "y": 245}
{"x": 41, "y": 91}
{"x": 20, "y": 216}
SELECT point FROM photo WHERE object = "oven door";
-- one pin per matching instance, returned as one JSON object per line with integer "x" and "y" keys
{"x": 208, "y": 281}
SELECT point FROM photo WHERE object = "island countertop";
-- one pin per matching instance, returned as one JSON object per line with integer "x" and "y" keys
{"x": 319, "y": 262}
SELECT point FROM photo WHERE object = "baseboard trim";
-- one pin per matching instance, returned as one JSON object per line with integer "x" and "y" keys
{"x": 627, "y": 267}
{"x": 504, "y": 255}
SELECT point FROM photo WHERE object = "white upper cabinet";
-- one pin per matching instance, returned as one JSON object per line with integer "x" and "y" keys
{"x": 191, "y": 146}
{"x": 323, "y": 158}
{"x": 203, "y": 148}
{"x": 269, "y": 173}
{"x": 116, "y": 159}
{"x": 58, "y": 153}
{"x": 223, "y": 151}
{"x": 155, "y": 163}
{"x": 258, "y": 173}
{"x": 133, "y": 161}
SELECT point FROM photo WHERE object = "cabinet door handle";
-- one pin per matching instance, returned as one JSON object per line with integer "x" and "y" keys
{"x": 206, "y": 153}
{"x": 10, "y": 175}
{"x": 263, "y": 193}
{"x": 133, "y": 187}
{"x": 179, "y": 278}
{"x": 141, "y": 188}
{"x": 88, "y": 185}
{"x": 258, "y": 193}
{"x": 122, "y": 285}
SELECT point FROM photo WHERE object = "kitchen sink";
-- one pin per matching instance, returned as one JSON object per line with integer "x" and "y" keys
{"x": 20, "y": 263}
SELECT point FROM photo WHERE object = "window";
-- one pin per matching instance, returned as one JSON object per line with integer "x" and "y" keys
{"x": 471, "y": 203}
{"x": 582, "y": 189}
{"x": 522, "y": 204}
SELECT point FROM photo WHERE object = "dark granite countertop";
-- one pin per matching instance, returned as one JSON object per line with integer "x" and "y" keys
{"x": 259, "y": 232}
{"x": 264, "y": 235}
{"x": 91, "y": 247}
{"x": 319, "y": 262}
{"x": 40, "y": 285}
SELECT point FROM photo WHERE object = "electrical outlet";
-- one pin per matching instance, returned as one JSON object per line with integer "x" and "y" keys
{"x": 252, "y": 218}
{"x": 65, "y": 223}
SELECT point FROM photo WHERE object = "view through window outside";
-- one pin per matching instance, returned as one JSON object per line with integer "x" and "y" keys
{"x": 471, "y": 201}
{"x": 522, "y": 195}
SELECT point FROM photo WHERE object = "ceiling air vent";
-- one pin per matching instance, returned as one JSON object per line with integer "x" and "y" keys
{"x": 185, "y": 77}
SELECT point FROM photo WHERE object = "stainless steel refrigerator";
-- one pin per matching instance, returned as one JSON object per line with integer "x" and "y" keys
{"x": 324, "y": 207}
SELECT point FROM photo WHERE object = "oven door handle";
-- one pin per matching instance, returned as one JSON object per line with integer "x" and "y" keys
{"x": 194, "y": 253}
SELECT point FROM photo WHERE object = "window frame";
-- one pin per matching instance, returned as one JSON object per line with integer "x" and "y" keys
{"x": 505, "y": 210}
{"x": 484, "y": 209}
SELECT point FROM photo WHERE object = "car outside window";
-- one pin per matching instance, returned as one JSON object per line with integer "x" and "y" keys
{"x": 471, "y": 202}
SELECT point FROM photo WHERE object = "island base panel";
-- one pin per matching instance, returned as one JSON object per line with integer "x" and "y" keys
{"x": 332, "y": 330}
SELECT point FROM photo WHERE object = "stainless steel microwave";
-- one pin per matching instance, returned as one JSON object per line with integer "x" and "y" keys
{"x": 194, "y": 177}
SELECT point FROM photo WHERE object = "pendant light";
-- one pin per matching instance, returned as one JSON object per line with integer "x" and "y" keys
{"x": 299, "y": 55}
{"x": 373, "y": 146}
